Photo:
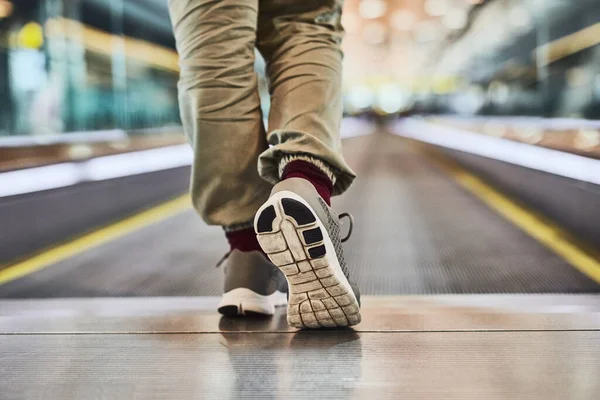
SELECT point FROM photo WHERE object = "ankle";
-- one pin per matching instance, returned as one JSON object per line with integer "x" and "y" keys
{"x": 310, "y": 172}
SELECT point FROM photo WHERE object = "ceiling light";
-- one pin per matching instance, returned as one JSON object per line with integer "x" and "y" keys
{"x": 374, "y": 33}
{"x": 403, "y": 20}
{"x": 426, "y": 31}
{"x": 361, "y": 97}
{"x": 31, "y": 36}
{"x": 351, "y": 22}
{"x": 455, "y": 19}
{"x": 372, "y": 9}
{"x": 436, "y": 8}
{"x": 6, "y": 8}
{"x": 391, "y": 99}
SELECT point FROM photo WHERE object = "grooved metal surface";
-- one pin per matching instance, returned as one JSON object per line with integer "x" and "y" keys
{"x": 416, "y": 232}
{"x": 34, "y": 221}
{"x": 451, "y": 347}
{"x": 174, "y": 257}
{"x": 573, "y": 204}
{"x": 343, "y": 365}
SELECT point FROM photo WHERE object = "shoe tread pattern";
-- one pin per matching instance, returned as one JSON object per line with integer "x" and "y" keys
{"x": 318, "y": 299}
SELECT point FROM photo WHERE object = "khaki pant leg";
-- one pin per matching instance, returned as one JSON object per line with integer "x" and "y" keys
{"x": 220, "y": 107}
{"x": 300, "y": 41}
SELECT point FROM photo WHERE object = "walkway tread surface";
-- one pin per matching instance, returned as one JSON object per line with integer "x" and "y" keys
{"x": 416, "y": 232}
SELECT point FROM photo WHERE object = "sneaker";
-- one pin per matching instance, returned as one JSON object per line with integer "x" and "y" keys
{"x": 253, "y": 285}
{"x": 301, "y": 235}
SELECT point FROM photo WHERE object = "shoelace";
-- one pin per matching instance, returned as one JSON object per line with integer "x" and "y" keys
{"x": 351, "y": 219}
{"x": 223, "y": 259}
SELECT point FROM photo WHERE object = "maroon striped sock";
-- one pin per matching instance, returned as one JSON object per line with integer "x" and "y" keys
{"x": 243, "y": 240}
{"x": 313, "y": 174}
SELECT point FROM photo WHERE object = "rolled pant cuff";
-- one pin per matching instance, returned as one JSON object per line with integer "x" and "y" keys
{"x": 322, "y": 165}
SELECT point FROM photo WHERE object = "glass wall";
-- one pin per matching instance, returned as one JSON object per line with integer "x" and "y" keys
{"x": 86, "y": 65}
{"x": 473, "y": 57}
{"x": 527, "y": 57}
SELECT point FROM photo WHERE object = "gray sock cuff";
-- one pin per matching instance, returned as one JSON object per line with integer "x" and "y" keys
{"x": 239, "y": 227}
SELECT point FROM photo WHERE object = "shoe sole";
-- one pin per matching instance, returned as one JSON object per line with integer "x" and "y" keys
{"x": 243, "y": 301}
{"x": 294, "y": 238}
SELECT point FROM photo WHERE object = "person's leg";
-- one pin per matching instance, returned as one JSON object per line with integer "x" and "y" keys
{"x": 300, "y": 40}
{"x": 221, "y": 115}
{"x": 220, "y": 107}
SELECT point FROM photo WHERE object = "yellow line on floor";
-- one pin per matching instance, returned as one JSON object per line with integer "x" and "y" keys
{"x": 95, "y": 239}
{"x": 544, "y": 231}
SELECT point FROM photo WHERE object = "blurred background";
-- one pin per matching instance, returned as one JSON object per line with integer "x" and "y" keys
{"x": 90, "y": 130}
{"x": 87, "y": 65}
{"x": 473, "y": 127}
{"x": 473, "y": 57}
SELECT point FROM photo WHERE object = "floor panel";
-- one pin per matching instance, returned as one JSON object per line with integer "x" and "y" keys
{"x": 380, "y": 314}
{"x": 473, "y": 365}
